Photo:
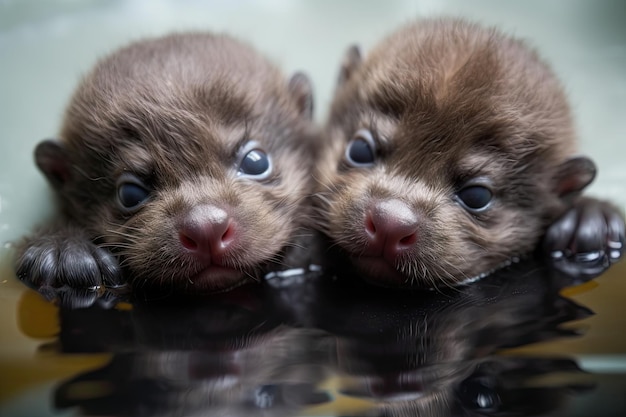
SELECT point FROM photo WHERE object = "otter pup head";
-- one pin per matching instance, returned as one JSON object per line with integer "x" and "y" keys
{"x": 449, "y": 150}
{"x": 188, "y": 157}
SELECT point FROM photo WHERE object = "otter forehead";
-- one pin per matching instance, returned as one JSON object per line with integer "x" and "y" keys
{"x": 442, "y": 89}
{"x": 182, "y": 80}
{"x": 167, "y": 137}
{"x": 179, "y": 105}
{"x": 186, "y": 63}
{"x": 428, "y": 146}
{"x": 452, "y": 62}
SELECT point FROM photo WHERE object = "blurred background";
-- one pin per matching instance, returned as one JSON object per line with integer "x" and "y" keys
{"x": 45, "y": 47}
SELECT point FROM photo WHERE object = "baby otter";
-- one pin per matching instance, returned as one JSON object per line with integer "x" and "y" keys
{"x": 184, "y": 161}
{"x": 449, "y": 151}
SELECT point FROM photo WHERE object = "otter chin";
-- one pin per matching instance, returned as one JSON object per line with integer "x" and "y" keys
{"x": 378, "y": 270}
{"x": 183, "y": 163}
{"x": 448, "y": 152}
{"x": 218, "y": 278}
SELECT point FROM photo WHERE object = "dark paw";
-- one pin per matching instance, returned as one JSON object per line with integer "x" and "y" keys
{"x": 586, "y": 240}
{"x": 68, "y": 269}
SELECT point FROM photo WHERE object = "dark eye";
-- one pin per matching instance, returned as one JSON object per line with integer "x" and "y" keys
{"x": 480, "y": 393}
{"x": 475, "y": 197}
{"x": 255, "y": 162}
{"x": 361, "y": 149}
{"x": 131, "y": 192}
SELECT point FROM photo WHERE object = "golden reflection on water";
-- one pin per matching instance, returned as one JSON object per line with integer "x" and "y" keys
{"x": 604, "y": 331}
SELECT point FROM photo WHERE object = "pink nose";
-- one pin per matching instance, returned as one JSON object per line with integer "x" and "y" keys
{"x": 207, "y": 231}
{"x": 391, "y": 228}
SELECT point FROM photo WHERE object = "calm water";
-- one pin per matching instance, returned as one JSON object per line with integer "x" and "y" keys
{"x": 515, "y": 343}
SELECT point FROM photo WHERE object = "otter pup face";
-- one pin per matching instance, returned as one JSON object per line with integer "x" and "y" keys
{"x": 449, "y": 149}
{"x": 188, "y": 157}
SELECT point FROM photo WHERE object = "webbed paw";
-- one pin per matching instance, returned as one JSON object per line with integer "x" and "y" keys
{"x": 586, "y": 240}
{"x": 59, "y": 266}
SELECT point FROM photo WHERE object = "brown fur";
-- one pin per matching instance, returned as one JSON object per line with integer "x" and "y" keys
{"x": 448, "y": 101}
{"x": 176, "y": 111}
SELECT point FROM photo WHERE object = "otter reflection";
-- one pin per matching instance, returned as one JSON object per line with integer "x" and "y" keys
{"x": 436, "y": 353}
{"x": 231, "y": 355}
{"x": 286, "y": 351}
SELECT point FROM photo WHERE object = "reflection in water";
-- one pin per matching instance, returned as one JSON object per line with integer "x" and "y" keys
{"x": 434, "y": 354}
{"x": 330, "y": 347}
{"x": 221, "y": 356}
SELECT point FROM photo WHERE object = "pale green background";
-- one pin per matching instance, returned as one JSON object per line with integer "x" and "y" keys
{"x": 45, "y": 46}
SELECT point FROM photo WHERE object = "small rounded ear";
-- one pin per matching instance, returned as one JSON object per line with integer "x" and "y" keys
{"x": 301, "y": 89}
{"x": 351, "y": 61}
{"x": 574, "y": 175}
{"x": 52, "y": 160}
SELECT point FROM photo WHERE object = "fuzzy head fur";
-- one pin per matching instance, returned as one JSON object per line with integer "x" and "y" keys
{"x": 176, "y": 114}
{"x": 448, "y": 104}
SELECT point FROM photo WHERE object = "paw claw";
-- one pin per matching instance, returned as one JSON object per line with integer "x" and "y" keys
{"x": 588, "y": 257}
{"x": 587, "y": 239}
{"x": 69, "y": 270}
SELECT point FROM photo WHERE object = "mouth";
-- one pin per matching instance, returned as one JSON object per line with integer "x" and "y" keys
{"x": 377, "y": 270}
{"x": 217, "y": 278}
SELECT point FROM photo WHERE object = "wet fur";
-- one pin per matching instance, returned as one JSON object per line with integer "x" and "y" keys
{"x": 175, "y": 111}
{"x": 448, "y": 101}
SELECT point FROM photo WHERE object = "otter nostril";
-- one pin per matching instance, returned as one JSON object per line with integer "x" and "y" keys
{"x": 187, "y": 242}
{"x": 370, "y": 226}
{"x": 408, "y": 240}
{"x": 229, "y": 235}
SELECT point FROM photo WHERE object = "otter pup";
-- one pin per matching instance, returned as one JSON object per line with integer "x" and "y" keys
{"x": 183, "y": 161}
{"x": 449, "y": 151}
